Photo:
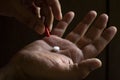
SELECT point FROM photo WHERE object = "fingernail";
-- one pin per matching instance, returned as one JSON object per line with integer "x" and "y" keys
{"x": 97, "y": 64}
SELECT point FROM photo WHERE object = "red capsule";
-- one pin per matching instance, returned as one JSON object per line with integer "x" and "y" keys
{"x": 47, "y": 32}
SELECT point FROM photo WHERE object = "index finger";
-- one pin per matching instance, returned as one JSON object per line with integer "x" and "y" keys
{"x": 56, "y": 8}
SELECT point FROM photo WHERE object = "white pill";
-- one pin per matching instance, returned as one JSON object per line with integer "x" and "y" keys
{"x": 56, "y": 48}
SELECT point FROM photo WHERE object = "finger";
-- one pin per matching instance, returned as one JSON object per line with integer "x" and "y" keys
{"x": 97, "y": 28}
{"x": 92, "y": 50}
{"x": 94, "y": 32}
{"x": 63, "y": 24}
{"x": 48, "y": 15}
{"x": 28, "y": 18}
{"x": 82, "y": 27}
{"x": 87, "y": 66}
{"x": 105, "y": 38}
{"x": 56, "y": 8}
{"x": 80, "y": 71}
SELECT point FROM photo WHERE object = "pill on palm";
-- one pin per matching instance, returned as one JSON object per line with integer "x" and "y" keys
{"x": 56, "y": 48}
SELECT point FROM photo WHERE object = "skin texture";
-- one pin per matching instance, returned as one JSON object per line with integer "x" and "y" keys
{"x": 76, "y": 58}
{"x": 36, "y": 14}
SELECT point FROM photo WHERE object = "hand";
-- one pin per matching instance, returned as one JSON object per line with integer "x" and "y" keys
{"x": 31, "y": 12}
{"x": 90, "y": 35}
{"x": 38, "y": 61}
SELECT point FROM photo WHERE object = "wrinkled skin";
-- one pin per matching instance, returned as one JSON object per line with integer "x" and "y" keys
{"x": 75, "y": 60}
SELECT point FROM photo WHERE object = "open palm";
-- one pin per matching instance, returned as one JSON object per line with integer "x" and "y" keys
{"x": 77, "y": 51}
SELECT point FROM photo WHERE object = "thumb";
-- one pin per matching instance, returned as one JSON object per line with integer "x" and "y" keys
{"x": 28, "y": 18}
{"x": 86, "y": 66}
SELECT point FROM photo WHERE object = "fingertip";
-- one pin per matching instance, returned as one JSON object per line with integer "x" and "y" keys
{"x": 109, "y": 33}
{"x": 68, "y": 17}
{"x": 93, "y": 12}
{"x": 59, "y": 17}
{"x": 96, "y": 63}
{"x": 114, "y": 29}
{"x": 71, "y": 13}
{"x": 105, "y": 16}
{"x": 40, "y": 29}
{"x": 92, "y": 64}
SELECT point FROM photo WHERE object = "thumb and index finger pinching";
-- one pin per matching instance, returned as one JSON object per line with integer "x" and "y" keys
{"x": 48, "y": 10}
{"x": 33, "y": 21}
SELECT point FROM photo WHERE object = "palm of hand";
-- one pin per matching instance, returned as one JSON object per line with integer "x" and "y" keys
{"x": 71, "y": 60}
{"x": 39, "y": 59}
